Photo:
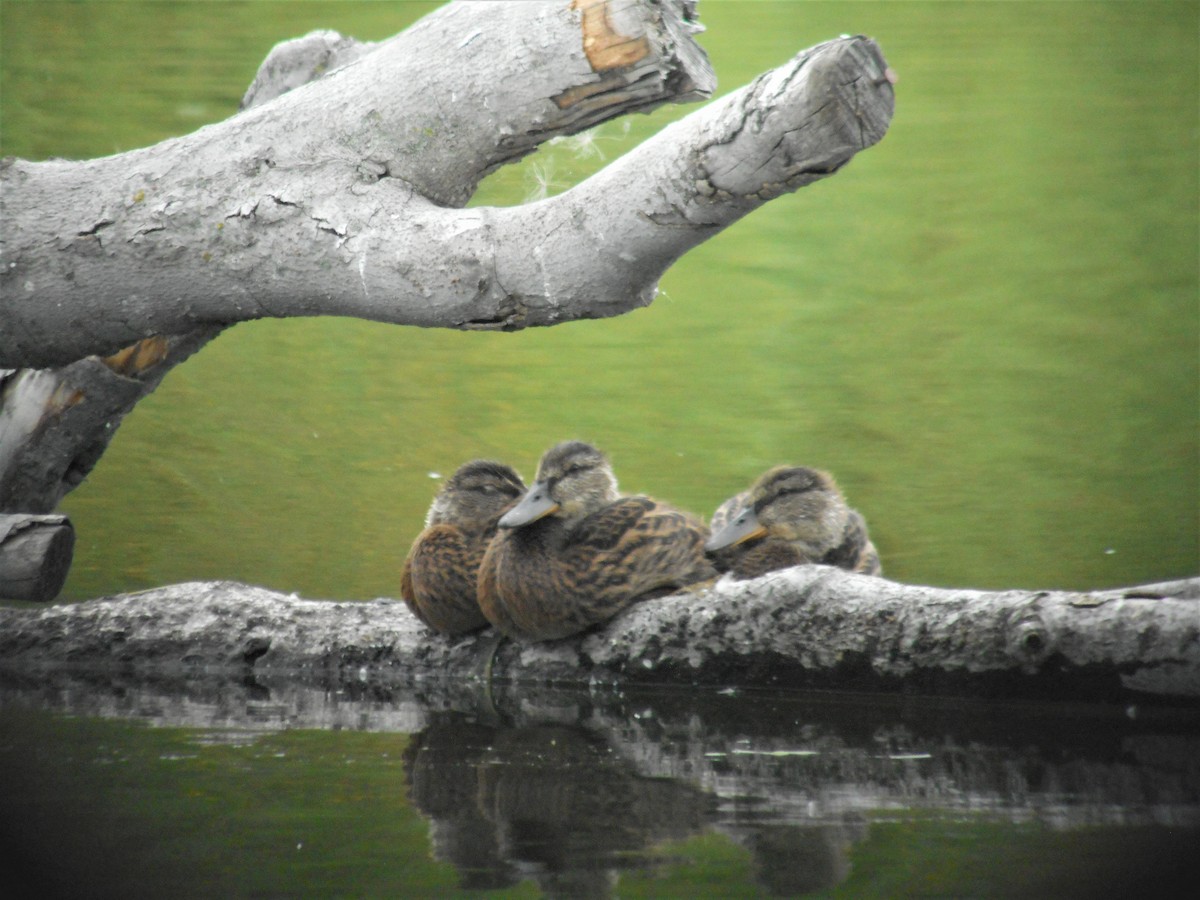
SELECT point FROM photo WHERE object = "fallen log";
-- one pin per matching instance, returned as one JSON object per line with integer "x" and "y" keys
{"x": 809, "y": 626}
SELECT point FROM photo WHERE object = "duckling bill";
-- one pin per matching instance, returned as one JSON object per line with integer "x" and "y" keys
{"x": 791, "y": 515}
{"x": 573, "y": 552}
{"x": 441, "y": 572}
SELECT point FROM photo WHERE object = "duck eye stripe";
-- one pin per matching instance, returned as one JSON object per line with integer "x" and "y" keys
{"x": 787, "y": 492}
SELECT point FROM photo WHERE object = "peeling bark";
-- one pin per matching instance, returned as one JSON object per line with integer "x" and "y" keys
{"x": 810, "y": 626}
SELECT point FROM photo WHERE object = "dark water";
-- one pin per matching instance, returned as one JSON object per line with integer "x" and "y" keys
{"x": 424, "y": 790}
{"x": 987, "y": 327}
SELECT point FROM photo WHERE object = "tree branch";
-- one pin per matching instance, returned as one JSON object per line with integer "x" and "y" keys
{"x": 265, "y": 215}
{"x": 809, "y": 626}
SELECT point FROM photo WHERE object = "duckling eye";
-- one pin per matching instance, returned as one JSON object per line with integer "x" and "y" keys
{"x": 485, "y": 489}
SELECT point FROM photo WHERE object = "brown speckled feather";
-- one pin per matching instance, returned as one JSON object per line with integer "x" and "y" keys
{"x": 855, "y": 552}
{"x": 440, "y": 575}
{"x": 438, "y": 582}
{"x": 552, "y": 579}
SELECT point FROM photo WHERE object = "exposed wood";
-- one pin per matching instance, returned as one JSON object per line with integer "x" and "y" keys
{"x": 810, "y": 626}
{"x": 35, "y": 556}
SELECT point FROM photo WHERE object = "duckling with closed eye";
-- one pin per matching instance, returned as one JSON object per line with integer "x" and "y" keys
{"x": 791, "y": 515}
{"x": 574, "y": 552}
{"x": 441, "y": 572}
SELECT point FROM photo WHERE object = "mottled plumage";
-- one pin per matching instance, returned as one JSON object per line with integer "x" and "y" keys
{"x": 442, "y": 569}
{"x": 574, "y": 553}
{"x": 791, "y": 515}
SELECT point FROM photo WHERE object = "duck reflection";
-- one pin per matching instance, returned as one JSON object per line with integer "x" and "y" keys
{"x": 439, "y": 767}
{"x": 579, "y": 789}
{"x": 549, "y": 802}
{"x": 794, "y": 860}
{"x": 560, "y": 805}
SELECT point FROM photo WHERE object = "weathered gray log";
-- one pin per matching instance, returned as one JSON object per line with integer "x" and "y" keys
{"x": 35, "y": 556}
{"x": 810, "y": 626}
{"x": 266, "y": 215}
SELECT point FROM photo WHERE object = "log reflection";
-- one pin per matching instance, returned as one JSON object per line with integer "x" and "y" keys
{"x": 574, "y": 789}
{"x": 561, "y": 805}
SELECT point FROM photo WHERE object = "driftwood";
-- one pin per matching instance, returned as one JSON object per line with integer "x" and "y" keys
{"x": 264, "y": 215}
{"x": 810, "y": 626}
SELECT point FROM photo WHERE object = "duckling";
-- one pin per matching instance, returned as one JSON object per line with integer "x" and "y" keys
{"x": 440, "y": 574}
{"x": 574, "y": 552}
{"x": 791, "y": 515}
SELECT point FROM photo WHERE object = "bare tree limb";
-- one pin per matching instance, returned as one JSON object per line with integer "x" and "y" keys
{"x": 339, "y": 197}
{"x": 810, "y": 626}
{"x": 56, "y": 423}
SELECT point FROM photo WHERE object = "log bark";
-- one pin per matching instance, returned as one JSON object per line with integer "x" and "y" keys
{"x": 35, "y": 556}
{"x": 342, "y": 197}
{"x": 810, "y": 626}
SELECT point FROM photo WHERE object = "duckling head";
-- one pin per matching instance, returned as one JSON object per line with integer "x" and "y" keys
{"x": 573, "y": 480}
{"x": 475, "y": 495}
{"x": 793, "y": 503}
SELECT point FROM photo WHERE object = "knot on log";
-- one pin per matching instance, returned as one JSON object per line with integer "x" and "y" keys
{"x": 1030, "y": 642}
{"x": 296, "y": 62}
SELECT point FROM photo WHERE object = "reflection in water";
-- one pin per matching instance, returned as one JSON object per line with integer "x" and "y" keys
{"x": 561, "y": 805}
{"x": 546, "y": 801}
{"x": 577, "y": 789}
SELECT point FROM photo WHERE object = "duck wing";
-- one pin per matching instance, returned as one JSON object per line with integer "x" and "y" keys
{"x": 439, "y": 580}
{"x": 637, "y": 546}
{"x": 855, "y": 552}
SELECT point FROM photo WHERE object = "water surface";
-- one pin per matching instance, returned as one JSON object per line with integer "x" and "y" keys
{"x": 313, "y": 790}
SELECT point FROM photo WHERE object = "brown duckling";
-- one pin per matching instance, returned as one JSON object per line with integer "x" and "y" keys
{"x": 791, "y": 515}
{"x": 442, "y": 569}
{"x": 574, "y": 552}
